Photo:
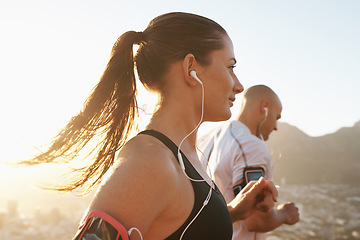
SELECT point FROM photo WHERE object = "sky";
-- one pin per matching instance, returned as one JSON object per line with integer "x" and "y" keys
{"x": 52, "y": 54}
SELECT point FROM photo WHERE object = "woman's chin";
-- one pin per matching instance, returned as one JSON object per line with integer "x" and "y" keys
{"x": 223, "y": 117}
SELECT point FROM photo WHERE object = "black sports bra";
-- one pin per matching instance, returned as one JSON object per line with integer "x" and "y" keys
{"x": 214, "y": 221}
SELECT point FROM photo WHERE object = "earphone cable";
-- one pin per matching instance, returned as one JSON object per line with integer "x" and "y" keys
{"x": 179, "y": 154}
{"x": 207, "y": 199}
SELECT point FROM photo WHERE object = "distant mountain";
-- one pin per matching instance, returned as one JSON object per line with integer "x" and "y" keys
{"x": 301, "y": 159}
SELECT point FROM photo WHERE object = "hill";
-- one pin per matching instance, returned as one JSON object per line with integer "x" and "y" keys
{"x": 301, "y": 159}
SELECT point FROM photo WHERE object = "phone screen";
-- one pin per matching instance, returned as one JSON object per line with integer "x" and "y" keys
{"x": 250, "y": 174}
{"x": 253, "y": 175}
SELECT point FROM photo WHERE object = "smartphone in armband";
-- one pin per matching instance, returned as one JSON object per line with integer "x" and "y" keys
{"x": 253, "y": 173}
{"x": 100, "y": 225}
{"x": 250, "y": 174}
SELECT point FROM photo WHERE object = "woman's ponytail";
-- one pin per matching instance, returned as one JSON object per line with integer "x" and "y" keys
{"x": 107, "y": 119}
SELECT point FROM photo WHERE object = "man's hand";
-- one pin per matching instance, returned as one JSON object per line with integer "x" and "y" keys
{"x": 257, "y": 195}
{"x": 290, "y": 211}
{"x": 265, "y": 201}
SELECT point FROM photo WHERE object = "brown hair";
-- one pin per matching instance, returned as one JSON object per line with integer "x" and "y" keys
{"x": 110, "y": 112}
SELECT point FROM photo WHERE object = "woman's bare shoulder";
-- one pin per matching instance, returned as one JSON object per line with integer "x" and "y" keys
{"x": 144, "y": 150}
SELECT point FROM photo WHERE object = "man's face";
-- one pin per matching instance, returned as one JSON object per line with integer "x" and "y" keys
{"x": 270, "y": 124}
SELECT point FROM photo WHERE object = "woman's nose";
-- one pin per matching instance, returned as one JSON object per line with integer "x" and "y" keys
{"x": 238, "y": 87}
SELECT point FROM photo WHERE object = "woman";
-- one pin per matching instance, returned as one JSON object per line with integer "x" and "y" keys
{"x": 146, "y": 187}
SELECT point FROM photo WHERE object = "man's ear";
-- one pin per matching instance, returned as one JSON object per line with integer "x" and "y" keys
{"x": 264, "y": 104}
{"x": 189, "y": 64}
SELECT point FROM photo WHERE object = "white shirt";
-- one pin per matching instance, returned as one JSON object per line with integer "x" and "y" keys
{"x": 226, "y": 162}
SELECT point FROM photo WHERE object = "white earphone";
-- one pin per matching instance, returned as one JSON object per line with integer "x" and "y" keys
{"x": 193, "y": 74}
{"x": 207, "y": 199}
{"x": 266, "y": 111}
{"x": 262, "y": 122}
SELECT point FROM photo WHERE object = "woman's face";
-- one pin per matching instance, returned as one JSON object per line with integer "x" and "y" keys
{"x": 220, "y": 83}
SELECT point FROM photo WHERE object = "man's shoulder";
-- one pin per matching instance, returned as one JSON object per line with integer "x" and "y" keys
{"x": 241, "y": 132}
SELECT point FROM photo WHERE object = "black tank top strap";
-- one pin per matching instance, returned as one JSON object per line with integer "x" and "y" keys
{"x": 189, "y": 168}
{"x": 164, "y": 139}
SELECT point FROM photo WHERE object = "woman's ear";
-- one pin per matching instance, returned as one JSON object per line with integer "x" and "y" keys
{"x": 189, "y": 64}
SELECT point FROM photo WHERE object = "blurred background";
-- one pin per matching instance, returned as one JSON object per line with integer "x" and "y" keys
{"x": 52, "y": 54}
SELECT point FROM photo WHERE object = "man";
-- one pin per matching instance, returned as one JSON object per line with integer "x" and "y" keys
{"x": 235, "y": 153}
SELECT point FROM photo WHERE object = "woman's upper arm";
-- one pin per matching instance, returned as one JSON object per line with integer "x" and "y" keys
{"x": 139, "y": 189}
